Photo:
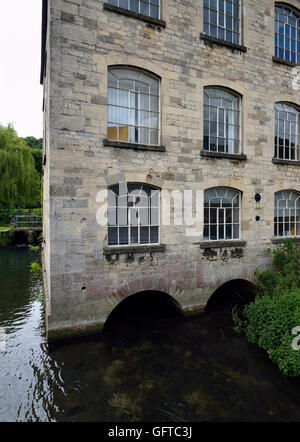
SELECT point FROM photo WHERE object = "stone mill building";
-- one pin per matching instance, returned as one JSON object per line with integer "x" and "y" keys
{"x": 171, "y": 149}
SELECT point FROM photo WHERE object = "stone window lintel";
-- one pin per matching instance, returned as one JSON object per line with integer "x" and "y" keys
{"x": 222, "y": 244}
{"x": 286, "y": 162}
{"x": 129, "y": 250}
{"x": 213, "y": 40}
{"x": 282, "y": 239}
{"x": 229, "y": 156}
{"x": 136, "y": 146}
{"x": 285, "y": 62}
{"x": 136, "y": 15}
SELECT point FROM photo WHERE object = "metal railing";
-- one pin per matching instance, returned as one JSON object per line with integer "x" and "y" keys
{"x": 27, "y": 221}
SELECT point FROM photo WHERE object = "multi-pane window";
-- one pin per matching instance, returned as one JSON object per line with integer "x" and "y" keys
{"x": 133, "y": 106}
{"x": 150, "y": 8}
{"x": 133, "y": 214}
{"x": 222, "y": 19}
{"x": 287, "y": 213}
{"x": 287, "y": 34}
{"x": 221, "y": 121}
{"x": 286, "y": 132}
{"x": 222, "y": 207}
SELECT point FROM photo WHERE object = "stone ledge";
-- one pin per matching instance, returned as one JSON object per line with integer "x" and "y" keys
{"x": 222, "y": 244}
{"x": 123, "y": 145}
{"x": 210, "y": 40}
{"x": 229, "y": 156}
{"x": 285, "y": 62}
{"x": 284, "y": 238}
{"x": 137, "y": 16}
{"x": 286, "y": 162}
{"x": 124, "y": 250}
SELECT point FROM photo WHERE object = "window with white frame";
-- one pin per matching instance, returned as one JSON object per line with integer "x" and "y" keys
{"x": 287, "y": 34}
{"x": 222, "y": 19}
{"x": 133, "y": 106}
{"x": 286, "y": 132}
{"x": 222, "y": 207}
{"x": 222, "y": 117}
{"x": 287, "y": 213}
{"x": 150, "y": 8}
{"x": 133, "y": 215}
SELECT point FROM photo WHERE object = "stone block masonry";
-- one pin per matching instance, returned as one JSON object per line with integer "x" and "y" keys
{"x": 84, "y": 279}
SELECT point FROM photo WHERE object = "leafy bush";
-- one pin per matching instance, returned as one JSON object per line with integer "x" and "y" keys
{"x": 35, "y": 268}
{"x": 270, "y": 319}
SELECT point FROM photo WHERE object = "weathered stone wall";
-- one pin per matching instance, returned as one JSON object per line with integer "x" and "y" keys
{"x": 83, "y": 41}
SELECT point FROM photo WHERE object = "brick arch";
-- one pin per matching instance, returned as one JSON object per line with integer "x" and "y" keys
{"x": 292, "y": 4}
{"x": 232, "y": 86}
{"x": 132, "y": 61}
{"x": 147, "y": 283}
{"x": 234, "y": 291}
{"x": 287, "y": 99}
{"x": 285, "y": 186}
{"x": 225, "y": 182}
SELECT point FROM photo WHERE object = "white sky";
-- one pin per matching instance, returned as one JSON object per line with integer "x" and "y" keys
{"x": 20, "y": 48}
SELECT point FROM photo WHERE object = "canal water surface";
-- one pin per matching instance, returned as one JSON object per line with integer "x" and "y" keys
{"x": 174, "y": 370}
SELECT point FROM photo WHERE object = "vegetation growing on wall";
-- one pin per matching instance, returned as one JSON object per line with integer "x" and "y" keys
{"x": 271, "y": 318}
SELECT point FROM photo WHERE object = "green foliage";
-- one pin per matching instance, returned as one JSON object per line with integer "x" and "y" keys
{"x": 34, "y": 143}
{"x": 35, "y": 268}
{"x": 38, "y": 160}
{"x": 286, "y": 272}
{"x": 35, "y": 248}
{"x": 36, "y": 211}
{"x": 270, "y": 319}
{"x": 19, "y": 180}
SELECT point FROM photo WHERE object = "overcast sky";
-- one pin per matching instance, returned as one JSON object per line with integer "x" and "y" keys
{"x": 20, "y": 47}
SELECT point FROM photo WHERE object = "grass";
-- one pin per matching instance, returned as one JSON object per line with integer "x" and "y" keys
{"x": 2, "y": 228}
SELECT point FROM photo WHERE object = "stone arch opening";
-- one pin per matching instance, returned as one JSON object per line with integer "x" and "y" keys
{"x": 232, "y": 296}
{"x": 142, "y": 312}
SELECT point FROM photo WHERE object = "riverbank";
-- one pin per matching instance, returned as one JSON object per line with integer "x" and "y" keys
{"x": 9, "y": 236}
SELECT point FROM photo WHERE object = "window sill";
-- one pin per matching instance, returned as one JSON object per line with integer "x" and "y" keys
{"x": 213, "y": 40}
{"x": 124, "y": 250}
{"x": 286, "y": 162}
{"x": 287, "y": 63}
{"x": 229, "y": 156}
{"x": 282, "y": 239}
{"x": 137, "y": 16}
{"x": 222, "y": 244}
{"x": 124, "y": 145}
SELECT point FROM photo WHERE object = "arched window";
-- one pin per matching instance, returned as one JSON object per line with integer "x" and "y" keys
{"x": 133, "y": 106}
{"x": 150, "y": 8}
{"x": 133, "y": 214}
{"x": 287, "y": 213}
{"x": 221, "y": 121}
{"x": 222, "y": 19}
{"x": 287, "y": 34}
{"x": 222, "y": 207}
{"x": 286, "y": 132}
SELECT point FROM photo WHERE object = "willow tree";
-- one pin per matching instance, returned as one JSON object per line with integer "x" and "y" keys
{"x": 19, "y": 180}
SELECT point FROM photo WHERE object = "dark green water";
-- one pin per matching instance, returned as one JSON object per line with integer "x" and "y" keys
{"x": 178, "y": 370}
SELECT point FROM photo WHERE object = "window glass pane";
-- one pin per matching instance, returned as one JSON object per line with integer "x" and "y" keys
{"x": 131, "y": 214}
{"x": 123, "y": 235}
{"x": 221, "y": 123}
{"x": 112, "y": 236}
{"x": 221, "y": 213}
{"x": 145, "y": 231}
{"x": 286, "y": 132}
{"x": 132, "y": 108}
{"x": 154, "y": 235}
{"x": 287, "y": 33}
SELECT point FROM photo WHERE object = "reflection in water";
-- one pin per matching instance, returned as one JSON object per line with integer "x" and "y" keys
{"x": 175, "y": 370}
